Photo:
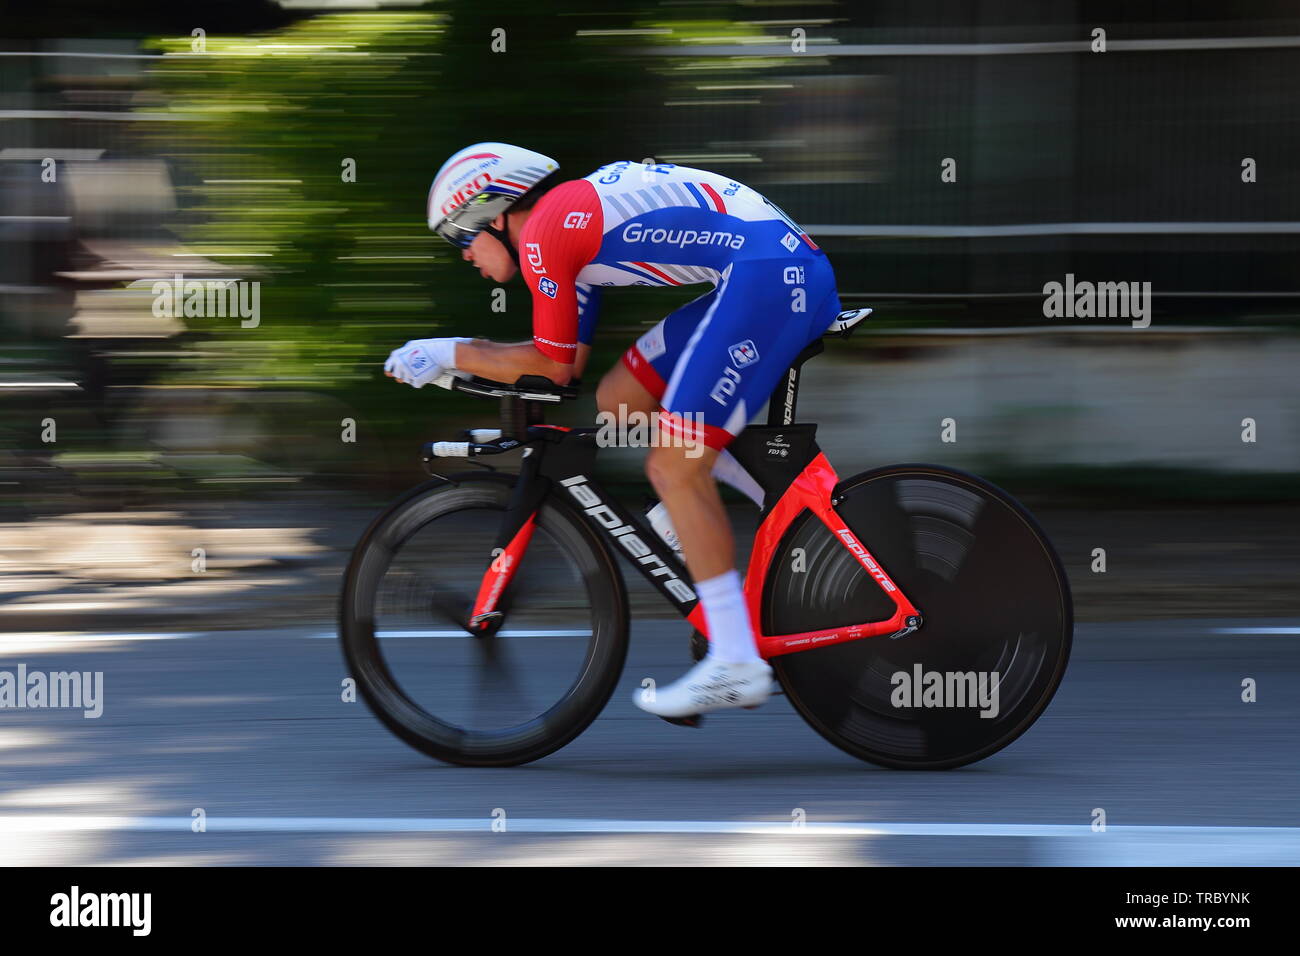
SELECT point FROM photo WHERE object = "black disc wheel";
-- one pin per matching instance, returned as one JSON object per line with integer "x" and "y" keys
{"x": 996, "y": 610}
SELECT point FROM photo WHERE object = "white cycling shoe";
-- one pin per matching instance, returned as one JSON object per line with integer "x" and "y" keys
{"x": 708, "y": 686}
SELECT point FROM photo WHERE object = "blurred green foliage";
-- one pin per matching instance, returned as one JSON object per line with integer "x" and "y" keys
{"x": 349, "y": 270}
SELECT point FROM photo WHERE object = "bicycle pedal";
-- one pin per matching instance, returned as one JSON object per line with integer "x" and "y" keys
{"x": 692, "y": 721}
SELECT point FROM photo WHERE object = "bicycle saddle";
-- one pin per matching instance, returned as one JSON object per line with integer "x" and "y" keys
{"x": 843, "y": 323}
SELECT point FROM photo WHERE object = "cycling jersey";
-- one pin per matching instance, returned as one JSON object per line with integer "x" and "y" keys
{"x": 718, "y": 358}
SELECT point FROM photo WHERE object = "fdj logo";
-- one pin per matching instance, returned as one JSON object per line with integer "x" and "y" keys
{"x": 547, "y": 287}
{"x": 534, "y": 253}
{"x": 725, "y": 387}
{"x": 743, "y": 353}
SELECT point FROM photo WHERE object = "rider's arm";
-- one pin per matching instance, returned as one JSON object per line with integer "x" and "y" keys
{"x": 560, "y": 238}
{"x": 584, "y": 353}
{"x": 506, "y": 361}
{"x": 589, "y": 297}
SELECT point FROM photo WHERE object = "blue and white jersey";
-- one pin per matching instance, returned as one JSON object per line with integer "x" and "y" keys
{"x": 650, "y": 225}
{"x": 674, "y": 225}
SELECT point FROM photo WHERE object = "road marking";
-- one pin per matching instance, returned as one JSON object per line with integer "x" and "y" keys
{"x": 1256, "y": 630}
{"x": 61, "y": 823}
{"x": 1030, "y": 843}
{"x": 60, "y": 637}
{"x": 331, "y": 636}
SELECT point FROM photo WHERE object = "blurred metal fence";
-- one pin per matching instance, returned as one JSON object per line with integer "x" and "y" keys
{"x": 1125, "y": 164}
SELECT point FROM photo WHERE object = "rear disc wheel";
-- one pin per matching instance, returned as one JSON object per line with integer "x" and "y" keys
{"x": 997, "y": 619}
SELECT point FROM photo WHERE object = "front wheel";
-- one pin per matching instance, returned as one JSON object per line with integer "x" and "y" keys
{"x": 500, "y": 698}
{"x": 995, "y": 600}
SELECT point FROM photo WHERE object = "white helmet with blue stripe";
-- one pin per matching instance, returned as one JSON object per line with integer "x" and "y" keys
{"x": 478, "y": 184}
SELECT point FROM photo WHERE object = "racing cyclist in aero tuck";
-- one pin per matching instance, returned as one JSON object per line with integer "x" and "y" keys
{"x": 705, "y": 369}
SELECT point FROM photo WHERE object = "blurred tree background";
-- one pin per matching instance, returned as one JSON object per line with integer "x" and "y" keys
{"x": 349, "y": 269}
{"x": 258, "y": 128}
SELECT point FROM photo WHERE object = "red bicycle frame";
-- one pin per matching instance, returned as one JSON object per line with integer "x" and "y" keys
{"x": 811, "y": 489}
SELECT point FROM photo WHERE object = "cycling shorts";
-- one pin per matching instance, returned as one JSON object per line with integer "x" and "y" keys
{"x": 713, "y": 363}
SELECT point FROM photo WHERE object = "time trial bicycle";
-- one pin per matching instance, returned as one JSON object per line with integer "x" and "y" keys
{"x": 915, "y": 615}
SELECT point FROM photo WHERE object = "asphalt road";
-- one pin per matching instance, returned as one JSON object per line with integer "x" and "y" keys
{"x": 249, "y": 727}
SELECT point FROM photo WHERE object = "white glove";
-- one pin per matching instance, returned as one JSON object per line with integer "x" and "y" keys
{"x": 420, "y": 361}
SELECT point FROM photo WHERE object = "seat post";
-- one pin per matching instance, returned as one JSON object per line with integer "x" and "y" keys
{"x": 785, "y": 397}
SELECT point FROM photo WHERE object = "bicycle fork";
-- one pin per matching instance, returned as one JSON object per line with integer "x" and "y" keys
{"x": 516, "y": 531}
{"x": 569, "y": 456}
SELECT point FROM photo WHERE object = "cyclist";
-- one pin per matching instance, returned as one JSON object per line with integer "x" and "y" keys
{"x": 705, "y": 369}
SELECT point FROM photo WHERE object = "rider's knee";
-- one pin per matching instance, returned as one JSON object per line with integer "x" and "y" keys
{"x": 609, "y": 395}
{"x": 668, "y": 467}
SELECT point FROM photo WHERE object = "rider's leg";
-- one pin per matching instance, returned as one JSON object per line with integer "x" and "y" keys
{"x": 620, "y": 387}
{"x": 681, "y": 476}
{"x": 720, "y": 377}
{"x": 686, "y": 487}
{"x": 717, "y": 375}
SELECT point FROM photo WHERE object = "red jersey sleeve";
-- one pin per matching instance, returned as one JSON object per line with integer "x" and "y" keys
{"x": 561, "y": 236}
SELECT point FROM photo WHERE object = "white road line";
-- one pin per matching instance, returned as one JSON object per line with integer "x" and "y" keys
{"x": 61, "y": 823}
{"x": 1032, "y": 844}
{"x": 1256, "y": 630}
{"x": 36, "y": 637}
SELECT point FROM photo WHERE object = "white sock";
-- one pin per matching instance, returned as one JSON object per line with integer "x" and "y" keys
{"x": 729, "y": 471}
{"x": 731, "y": 635}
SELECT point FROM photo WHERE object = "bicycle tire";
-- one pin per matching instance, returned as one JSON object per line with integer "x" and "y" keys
{"x": 385, "y": 695}
{"x": 948, "y": 539}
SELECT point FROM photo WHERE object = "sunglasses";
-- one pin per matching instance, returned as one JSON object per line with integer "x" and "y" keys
{"x": 465, "y": 223}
